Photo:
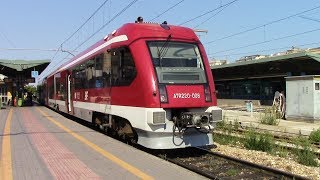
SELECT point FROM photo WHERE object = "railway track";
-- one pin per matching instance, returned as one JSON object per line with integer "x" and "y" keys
{"x": 207, "y": 163}
{"x": 217, "y": 166}
{"x": 280, "y": 140}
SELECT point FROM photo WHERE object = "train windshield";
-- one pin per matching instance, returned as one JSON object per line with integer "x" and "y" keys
{"x": 177, "y": 62}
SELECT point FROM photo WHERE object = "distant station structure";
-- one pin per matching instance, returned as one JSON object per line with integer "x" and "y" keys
{"x": 15, "y": 74}
{"x": 258, "y": 77}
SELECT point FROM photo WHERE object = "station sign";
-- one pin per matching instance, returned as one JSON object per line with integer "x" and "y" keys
{"x": 34, "y": 74}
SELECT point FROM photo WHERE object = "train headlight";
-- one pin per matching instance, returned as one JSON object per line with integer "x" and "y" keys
{"x": 207, "y": 93}
{"x": 204, "y": 120}
{"x": 216, "y": 115}
{"x": 159, "y": 117}
{"x": 163, "y": 93}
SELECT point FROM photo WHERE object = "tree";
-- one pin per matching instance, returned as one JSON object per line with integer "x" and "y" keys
{"x": 30, "y": 89}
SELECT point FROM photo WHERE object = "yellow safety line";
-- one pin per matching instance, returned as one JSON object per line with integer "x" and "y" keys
{"x": 95, "y": 147}
{"x": 6, "y": 163}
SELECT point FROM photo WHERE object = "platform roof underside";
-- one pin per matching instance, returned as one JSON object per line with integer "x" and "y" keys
{"x": 11, "y": 67}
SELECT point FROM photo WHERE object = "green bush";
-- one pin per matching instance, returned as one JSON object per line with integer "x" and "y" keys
{"x": 222, "y": 124}
{"x": 261, "y": 142}
{"x": 280, "y": 150}
{"x": 225, "y": 139}
{"x": 315, "y": 136}
{"x": 305, "y": 155}
{"x": 270, "y": 116}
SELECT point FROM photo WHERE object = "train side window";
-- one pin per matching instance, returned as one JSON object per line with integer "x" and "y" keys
{"x": 77, "y": 77}
{"x": 83, "y": 78}
{"x": 317, "y": 87}
{"x": 62, "y": 92}
{"x": 90, "y": 73}
{"x": 106, "y": 69}
{"x": 51, "y": 89}
{"x": 122, "y": 67}
{"x": 58, "y": 84}
{"x": 98, "y": 71}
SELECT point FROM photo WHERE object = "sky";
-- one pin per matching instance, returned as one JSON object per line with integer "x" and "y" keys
{"x": 34, "y": 30}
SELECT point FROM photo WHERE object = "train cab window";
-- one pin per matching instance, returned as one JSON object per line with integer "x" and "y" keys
{"x": 177, "y": 62}
{"x": 123, "y": 69}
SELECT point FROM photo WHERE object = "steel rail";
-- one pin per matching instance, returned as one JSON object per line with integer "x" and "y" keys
{"x": 258, "y": 166}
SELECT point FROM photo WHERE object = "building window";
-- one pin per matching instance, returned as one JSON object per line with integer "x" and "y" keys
{"x": 317, "y": 86}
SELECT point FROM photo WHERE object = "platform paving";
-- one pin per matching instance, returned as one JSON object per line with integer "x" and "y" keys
{"x": 47, "y": 145}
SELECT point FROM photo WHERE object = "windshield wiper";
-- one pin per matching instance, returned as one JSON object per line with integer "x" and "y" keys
{"x": 164, "y": 49}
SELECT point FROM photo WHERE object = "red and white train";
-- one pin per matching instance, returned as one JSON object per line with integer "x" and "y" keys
{"x": 150, "y": 83}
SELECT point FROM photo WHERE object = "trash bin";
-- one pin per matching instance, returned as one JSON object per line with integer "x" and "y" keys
{"x": 249, "y": 106}
{"x": 20, "y": 102}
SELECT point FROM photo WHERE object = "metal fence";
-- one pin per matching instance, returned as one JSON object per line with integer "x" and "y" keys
{"x": 3, "y": 97}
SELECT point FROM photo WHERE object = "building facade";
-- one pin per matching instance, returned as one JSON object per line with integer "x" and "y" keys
{"x": 259, "y": 79}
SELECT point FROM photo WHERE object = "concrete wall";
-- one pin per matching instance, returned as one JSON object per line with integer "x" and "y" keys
{"x": 240, "y": 102}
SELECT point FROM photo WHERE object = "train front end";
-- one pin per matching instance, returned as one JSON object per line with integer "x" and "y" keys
{"x": 185, "y": 93}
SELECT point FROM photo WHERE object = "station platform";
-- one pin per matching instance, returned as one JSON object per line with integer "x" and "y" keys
{"x": 252, "y": 119}
{"x": 38, "y": 143}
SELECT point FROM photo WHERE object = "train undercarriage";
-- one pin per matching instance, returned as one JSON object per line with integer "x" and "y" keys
{"x": 182, "y": 128}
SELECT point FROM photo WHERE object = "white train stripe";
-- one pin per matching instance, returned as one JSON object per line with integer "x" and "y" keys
{"x": 52, "y": 101}
{"x": 62, "y": 103}
{"x": 138, "y": 116}
{"x": 111, "y": 41}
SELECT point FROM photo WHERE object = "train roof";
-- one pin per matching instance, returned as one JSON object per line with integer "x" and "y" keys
{"x": 129, "y": 33}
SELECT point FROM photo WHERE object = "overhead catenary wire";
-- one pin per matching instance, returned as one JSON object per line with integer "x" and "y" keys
{"x": 167, "y": 10}
{"x": 311, "y": 19}
{"x": 67, "y": 39}
{"x": 112, "y": 19}
{"x": 213, "y": 15}
{"x": 263, "y": 25}
{"x": 275, "y": 39}
{"x": 28, "y": 49}
{"x": 102, "y": 5}
{"x": 7, "y": 39}
{"x": 208, "y": 12}
{"x": 265, "y": 50}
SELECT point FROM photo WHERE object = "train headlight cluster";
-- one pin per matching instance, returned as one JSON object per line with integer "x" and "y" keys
{"x": 201, "y": 120}
{"x": 163, "y": 94}
{"x": 159, "y": 117}
{"x": 186, "y": 119}
{"x": 191, "y": 119}
{"x": 216, "y": 115}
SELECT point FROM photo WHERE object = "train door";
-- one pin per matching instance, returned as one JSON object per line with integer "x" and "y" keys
{"x": 55, "y": 90}
{"x": 69, "y": 93}
{"x": 107, "y": 71}
{"x": 45, "y": 93}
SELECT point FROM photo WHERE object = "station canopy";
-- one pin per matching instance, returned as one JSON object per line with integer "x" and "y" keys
{"x": 294, "y": 64}
{"x": 11, "y": 68}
